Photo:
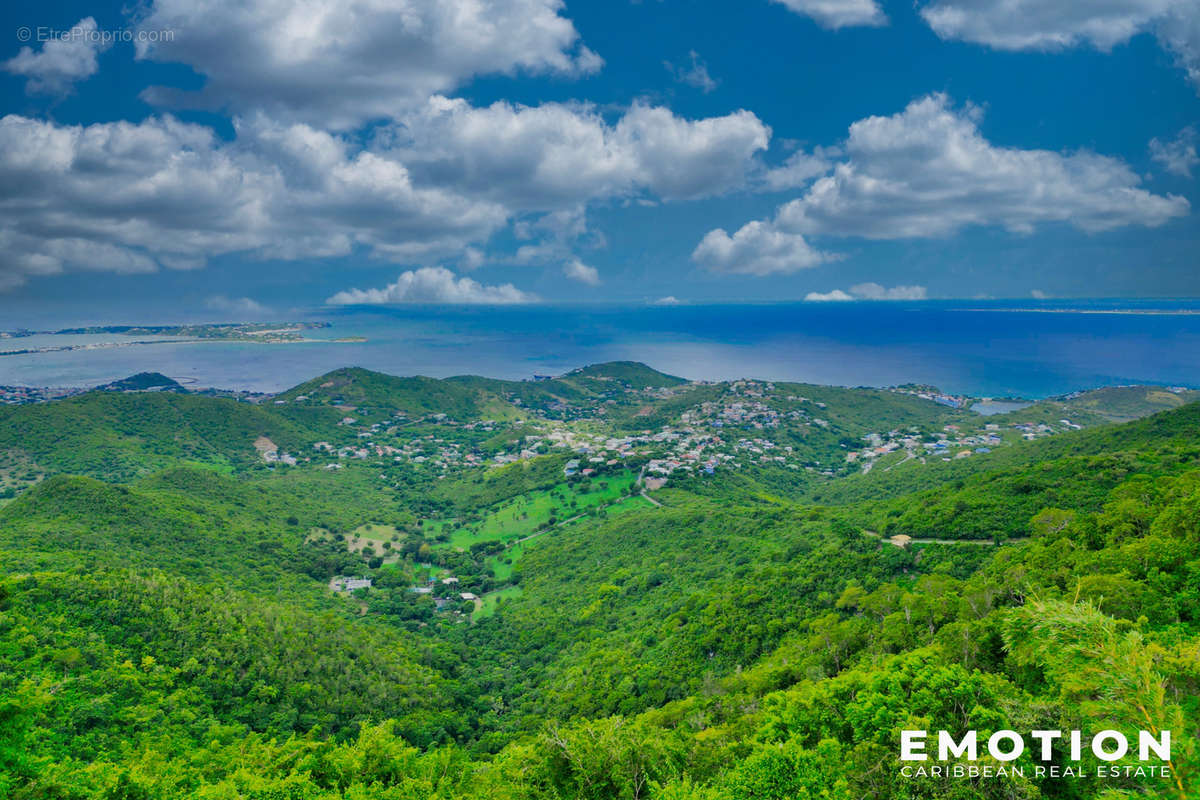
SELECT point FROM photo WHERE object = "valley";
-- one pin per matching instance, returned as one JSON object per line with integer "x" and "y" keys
{"x": 612, "y": 583}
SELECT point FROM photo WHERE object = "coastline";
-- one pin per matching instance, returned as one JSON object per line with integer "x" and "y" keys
{"x": 66, "y": 348}
{"x": 1149, "y": 312}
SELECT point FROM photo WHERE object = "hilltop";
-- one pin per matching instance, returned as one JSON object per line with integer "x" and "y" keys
{"x": 632, "y": 374}
{"x": 143, "y": 381}
{"x": 354, "y": 387}
{"x": 466, "y": 397}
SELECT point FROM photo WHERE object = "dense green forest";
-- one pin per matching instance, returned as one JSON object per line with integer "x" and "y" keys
{"x": 610, "y": 584}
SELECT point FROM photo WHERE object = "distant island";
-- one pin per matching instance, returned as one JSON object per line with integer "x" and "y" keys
{"x": 1160, "y": 312}
{"x": 257, "y": 332}
{"x": 253, "y": 331}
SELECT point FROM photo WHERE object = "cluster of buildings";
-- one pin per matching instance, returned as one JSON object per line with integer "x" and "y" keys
{"x": 749, "y": 424}
{"x": 1036, "y": 430}
{"x": 430, "y": 449}
{"x": 948, "y": 444}
{"x": 562, "y": 410}
{"x": 754, "y": 413}
{"x": 953, "y": 443}
{"x": 24, "y": 395}
{"x": 941, "y": 398}
{"x": 344, "y": 583}
{"x": 446, "y": 595}
{"x": 701, "y": 442}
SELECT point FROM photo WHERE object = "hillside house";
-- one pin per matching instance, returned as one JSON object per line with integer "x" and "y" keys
{"x": 348, "y": 584}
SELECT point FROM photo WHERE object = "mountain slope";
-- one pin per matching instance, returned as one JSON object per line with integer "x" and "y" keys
{"x": 118, "y": 436}
{"x": 147, "y": 657}
{"x": 1175, "y": 430}
{"x": 415, "y": 396}
{"x": 196, "y": 523}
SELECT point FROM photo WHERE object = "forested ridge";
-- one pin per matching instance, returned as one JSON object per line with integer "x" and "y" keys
{"x": 168, "y": 629}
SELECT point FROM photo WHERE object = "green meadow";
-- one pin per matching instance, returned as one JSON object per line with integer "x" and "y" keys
{"x": 527, "y": 514}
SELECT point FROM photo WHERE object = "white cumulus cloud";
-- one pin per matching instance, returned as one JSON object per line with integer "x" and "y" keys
{"x": 338, "y": 63}
{"x": 129, "y": 197}
{"x": 928, "y": 172}
{"x": 798, "y": 170}
{"x": 555, "y": 155}
{"x": 434, "y": 285}
{"x": 62, "y": 61}
{"x": 756, "y": 249}
{"x": 162, "y": 193}
{"x": 1057, "y": 24}
{"x": 1179, "y": 31}
{"x": 834, "y": 14}
{"x": 576, "y": 270}
{"x": 873, "y": 291}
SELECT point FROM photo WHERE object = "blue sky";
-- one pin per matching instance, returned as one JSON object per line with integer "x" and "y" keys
{"x": 258, "y": 158}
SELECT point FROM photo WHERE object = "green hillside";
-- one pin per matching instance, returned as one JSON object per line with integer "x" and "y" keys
{"x": 416, "y": 396}
{"x": 119, "y": 658}
{"x": 644, "y": 589}
{"x": 578, "y": 390}
{"x": 188, "y": 521}
{"x": 1123, "y": 403}
{"x": 469, "y": 397}
{"x": 633, "y": 374}
{"x": 119, "y": 436}
{"x": 1166, "y": 432}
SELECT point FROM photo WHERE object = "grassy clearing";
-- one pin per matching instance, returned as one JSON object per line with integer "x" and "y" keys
{"x": 364, "y": 536}
{"x": 635, "y": 503}
{"x": 377, "y": 533}
{"x": 374, "y": 537}
{"x": 489, "y": 601}
{"x": 504, "y": 563}
{"x": 528, "y": 513}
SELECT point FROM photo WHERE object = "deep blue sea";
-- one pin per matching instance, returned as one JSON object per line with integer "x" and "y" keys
{"x": 985, "y": 349}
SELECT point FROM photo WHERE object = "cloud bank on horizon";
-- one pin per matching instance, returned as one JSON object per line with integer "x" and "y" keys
{"x": 868, "y": 291}
{"x": 355, "y": 135}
